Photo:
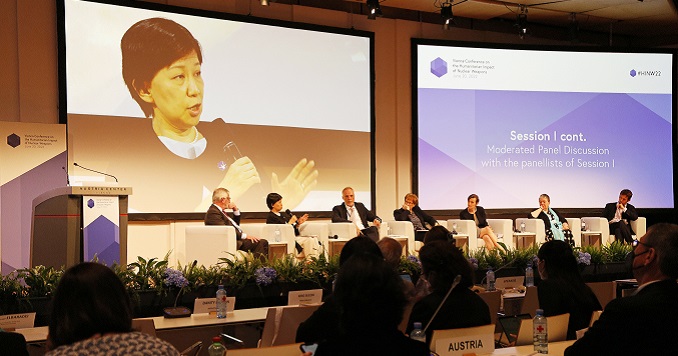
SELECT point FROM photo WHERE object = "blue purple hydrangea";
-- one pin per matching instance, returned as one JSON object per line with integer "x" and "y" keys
{"x": 414, "y": 259}
{"x": 583, "y": 258}
{"x": 474, "y": 262}
{"x": 265, "y": 275}
{"x": 175, "y": 278}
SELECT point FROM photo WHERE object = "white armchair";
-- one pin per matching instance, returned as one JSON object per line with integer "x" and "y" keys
{"x": 535, "y": 226}
{"x": 503, "y": 228}
{"x": 319, "y": 229}
{"x": 206, "y": 244}
{"x": 598, "y": 224}
{"x": 575, "y": 227}
{"x": 343, "y": 230}
{"x": 467, "y": 227}
{"x": 267, "y": 231}
{"x": 402, "y": 228}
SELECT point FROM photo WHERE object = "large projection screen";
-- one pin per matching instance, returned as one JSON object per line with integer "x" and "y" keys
{"x": 272, "y": 98}
{"x": 510, "y": 124}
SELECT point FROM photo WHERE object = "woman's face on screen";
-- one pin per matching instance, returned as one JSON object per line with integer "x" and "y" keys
{"x": 176, "y": 93}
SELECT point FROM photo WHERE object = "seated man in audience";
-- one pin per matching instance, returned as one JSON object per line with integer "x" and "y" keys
{"x": 216, "y": 215}
{"x": 618, "y": 216}
{"x": 356, "y": 213}
{"x": 647, "y": 322}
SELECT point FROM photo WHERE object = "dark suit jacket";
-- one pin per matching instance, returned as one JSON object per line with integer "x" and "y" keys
{"x": 340, "y": 214}
{"x": 547, "y": 221}
{"x": 463, "y": 309}
{"x": 404, "y": 215}
{"x": 629, "y": 215}
{"x": 480, "y": 214}
{"x": 643, "y": 324}
{"x": 283, "y": 218}
{"x": 214, "y": 216}
{"x": 560, "y": 298}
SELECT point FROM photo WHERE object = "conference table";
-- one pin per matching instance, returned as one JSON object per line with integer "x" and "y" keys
{"x": 555, "y": 349}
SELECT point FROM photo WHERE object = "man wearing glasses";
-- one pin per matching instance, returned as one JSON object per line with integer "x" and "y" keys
{"x": 216, "y": 215}
{"x": 647, "y": 322}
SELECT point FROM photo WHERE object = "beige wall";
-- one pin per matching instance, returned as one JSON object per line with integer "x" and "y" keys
{"x": 29, "y": 85}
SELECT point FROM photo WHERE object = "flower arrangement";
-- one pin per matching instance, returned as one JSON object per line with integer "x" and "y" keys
{"x": 583, "y": 258}
{"x": 265, "y": 276}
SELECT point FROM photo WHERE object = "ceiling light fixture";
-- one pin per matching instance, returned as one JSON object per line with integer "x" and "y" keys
{"x": 374, "y": 9}
{"x": 521, "y": 22}
{"x": 446, "y": 14}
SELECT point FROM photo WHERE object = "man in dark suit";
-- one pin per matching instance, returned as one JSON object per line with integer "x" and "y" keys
{"x": 216, "y": 215}
{"x": 645, "y": 323}
{"x": 354, "y": 212}
{"x": 619, "y": 214}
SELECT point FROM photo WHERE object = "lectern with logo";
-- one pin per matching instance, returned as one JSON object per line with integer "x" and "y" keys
{"x": 80, "y": 223}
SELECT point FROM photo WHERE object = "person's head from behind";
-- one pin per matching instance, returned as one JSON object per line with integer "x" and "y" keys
{"x": 557, "y": 261}
{"x": 369, "y": 294}
{"x": 655, "y": 255}
{"x": 89, "y": 300}
{"x": 274, "y": 202}
{"x": 392, "y": 251}
{"x": 437, "y": 233}
{"x": 161, "y": 63}
{"x": 625, "y": 196}
{"x": 441, "y": 262}
{"x": 356, "y": 245}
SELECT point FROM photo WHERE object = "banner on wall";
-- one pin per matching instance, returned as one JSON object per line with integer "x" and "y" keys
{"x": 101, "y": 228}
{"x": 33, "y": 161}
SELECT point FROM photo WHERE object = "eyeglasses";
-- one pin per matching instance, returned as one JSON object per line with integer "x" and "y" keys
{"x": 635, "y": 243}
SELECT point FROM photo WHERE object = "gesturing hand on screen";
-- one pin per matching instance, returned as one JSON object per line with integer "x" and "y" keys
{"x": 301, "y": 180}
{"x": 241, "y": 175}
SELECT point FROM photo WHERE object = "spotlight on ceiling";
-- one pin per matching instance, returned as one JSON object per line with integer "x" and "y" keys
{"x": 373, "y": 9}
{"x": 446, "y": 14}
{"x": 521, "y": 22}
{"x": 264, "y": 2}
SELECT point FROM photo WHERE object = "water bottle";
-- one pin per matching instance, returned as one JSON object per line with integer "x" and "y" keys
{"x": 541, "y": 341}
{"x": 454, "y": 228}
{"x": 522, "y": 226}
{"x": 216, "y": 349}
{"x": 583, "y": 225}
{"x": 490, "y": 280}
{"x": 277, "y": 236}
{"x": 529, "y": 275}
{"x": 221, "y": 302}
{"x": 418, "y": 334}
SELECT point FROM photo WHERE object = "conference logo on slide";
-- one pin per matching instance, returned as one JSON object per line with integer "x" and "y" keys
{"x": 648, "y": 73}
{"x": 14, "y": 140}
{"x": 438, "y": 67}
{"x": 90, "y": 203}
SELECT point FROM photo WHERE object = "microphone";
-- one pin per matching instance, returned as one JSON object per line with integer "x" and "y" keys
{"x": 457, "y": 279}
{"x": 68, "y": 180}
{"x": 91, "y": 170}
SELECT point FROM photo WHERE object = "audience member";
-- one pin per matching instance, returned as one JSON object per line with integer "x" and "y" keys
{"x": 307, "y": 246}
{"x": 324, "y": 322}
{"x": 217, "y": 215}
{"x": 562, "y": 289}
{"x": 410, "y": 211}
{"x": 645, "y": 323}
{"x": 555, "y": 224}
{"x": 442, "y": 262}
{"x": 477, "y": 214}
{"x": 92, "y": 315}
{"x": 356, "y": 213}
{"x": 438, "y": 233}
{"x": 370, "y": 300}
{"x": 619, "y": 215}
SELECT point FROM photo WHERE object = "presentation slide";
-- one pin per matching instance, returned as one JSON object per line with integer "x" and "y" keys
{"x": 511, "y": 124}
{"x": 175, "y": 104}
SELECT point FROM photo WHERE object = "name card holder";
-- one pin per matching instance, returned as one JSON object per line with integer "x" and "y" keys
{"x": 465, "y": 345}
{"x": 17, "y": 321}
{"x": 305, "y": 297}
{"x": 209, "y": 305}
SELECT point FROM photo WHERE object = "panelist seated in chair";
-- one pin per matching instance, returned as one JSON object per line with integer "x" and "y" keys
{"x": 92, "y": 315}
{"x": 216, "y": 215}
{"x": 619, "y": 215}
{"x": 555, "y": 224}
{"x": 410, "y": 211}
{"x": 356, "y": 213}
{"x": 477, "y": 213}
{"x": 306, "y": 246}
{"x": 645, "y": 323}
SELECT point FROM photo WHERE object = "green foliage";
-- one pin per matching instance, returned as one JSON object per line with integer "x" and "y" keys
{"x": 321, "y": 270}
{"x": 39, "y": 281}
{"x": 148, "y": 274}
{"x": 289, "y": 269}
{"x": 410, "y": 265}
{"x": 238, "y": 272}
{"x": 615, "y": 252}
{"x": 596, "y": 253}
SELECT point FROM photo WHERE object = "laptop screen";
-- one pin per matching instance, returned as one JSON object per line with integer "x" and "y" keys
{"x": 510, "y": 326}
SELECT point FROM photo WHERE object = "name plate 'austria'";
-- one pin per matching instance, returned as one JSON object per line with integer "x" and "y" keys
{"x": 462, "y": 345}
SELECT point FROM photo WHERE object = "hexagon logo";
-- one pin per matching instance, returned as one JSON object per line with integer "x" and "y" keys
{"x": 438, "y": 67}
{"x": 14, "y": 140}
{"x": 90, "y": 203}
{"x": 633, "y": 72}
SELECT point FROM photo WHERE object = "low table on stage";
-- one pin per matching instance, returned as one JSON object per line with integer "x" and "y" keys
{"x": 524, "y": 240}
{"x": 591, "y": 238}
{"x": 461, "y": 241}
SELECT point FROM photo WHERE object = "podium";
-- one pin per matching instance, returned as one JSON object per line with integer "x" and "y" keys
{"x": 67, "y": 227}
